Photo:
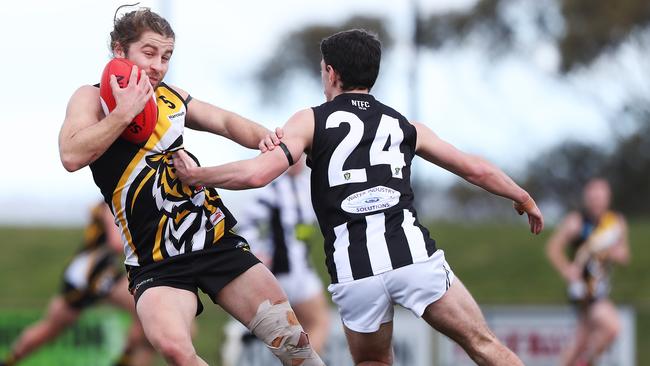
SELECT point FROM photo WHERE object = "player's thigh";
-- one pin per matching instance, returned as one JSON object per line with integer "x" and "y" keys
{"x": 603, "y": 314}
{"x": 242, "y": 296}
{"x": 375, "y": 346}
{"x": 166, "y": 314}
{"x": 457, "y": 315}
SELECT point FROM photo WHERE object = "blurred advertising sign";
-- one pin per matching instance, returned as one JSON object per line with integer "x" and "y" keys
{"x": 538, "y": 335}
{"x": 412, "y": 344}
{"x": 96, "y": 339}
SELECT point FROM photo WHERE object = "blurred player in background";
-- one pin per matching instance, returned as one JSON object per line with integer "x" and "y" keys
{"x": 94, "y": 274}
{"x": 177, "y": 238}
{"x": 595, "y": 238}
{"x": 378, "y": 254}
{"x": 277, "y": 222}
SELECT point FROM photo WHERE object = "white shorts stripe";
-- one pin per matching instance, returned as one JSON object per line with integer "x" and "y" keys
{"x": 415, "y": 238}
{"x": 341, "y": 257}
{"x": 376, "y": 243}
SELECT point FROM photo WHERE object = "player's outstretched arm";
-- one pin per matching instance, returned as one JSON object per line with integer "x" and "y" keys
{"x": 86, "y": 133}
{"x": 202, "y": 116}
{"x": 256, "y": 172}
{"x": 477, "y": 171}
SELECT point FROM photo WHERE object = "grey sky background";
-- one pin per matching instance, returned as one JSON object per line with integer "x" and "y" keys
{"x": 507, "y": 112}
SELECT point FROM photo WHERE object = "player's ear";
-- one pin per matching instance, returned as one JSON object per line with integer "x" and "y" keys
{"x": 118, "y": 51}
{"x": 331, "y": 74}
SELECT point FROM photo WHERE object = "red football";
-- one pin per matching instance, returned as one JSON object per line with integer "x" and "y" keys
{"x": 139, "y": 130}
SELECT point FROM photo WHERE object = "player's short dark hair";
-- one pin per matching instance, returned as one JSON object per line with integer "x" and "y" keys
{"x": 128, "y": 28}
{"x": 355, "y": 55}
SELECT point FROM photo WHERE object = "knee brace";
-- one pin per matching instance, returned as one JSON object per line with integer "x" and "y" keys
{"x": 277, "y": 326}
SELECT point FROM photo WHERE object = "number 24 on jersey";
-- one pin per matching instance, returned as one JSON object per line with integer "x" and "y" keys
{"x": 388, "y": 127}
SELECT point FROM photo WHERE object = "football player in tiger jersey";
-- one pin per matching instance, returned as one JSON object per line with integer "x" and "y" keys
{"x": 595, "y": 238}
{"x": 92, "y": 275}
{"x": 377, "y": 252}
{"x": 177, "y": 238}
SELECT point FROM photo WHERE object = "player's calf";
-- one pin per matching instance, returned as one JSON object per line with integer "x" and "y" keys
{"x": 277, "y": 326}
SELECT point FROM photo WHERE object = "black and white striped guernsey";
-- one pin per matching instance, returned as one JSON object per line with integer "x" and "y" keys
{"x": 361, "y": 192}
{"x": 269, "y": 222}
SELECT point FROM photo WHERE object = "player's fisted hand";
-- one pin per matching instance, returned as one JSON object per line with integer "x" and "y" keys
{"x": 535, "y": 218}
{"x": 271, "y": 140}
{"x": 185, "y": 167}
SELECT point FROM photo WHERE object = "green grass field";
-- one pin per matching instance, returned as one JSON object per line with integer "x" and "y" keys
{"x": 500, "y": 264}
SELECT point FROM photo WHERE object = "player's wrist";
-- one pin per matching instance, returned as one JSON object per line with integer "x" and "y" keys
{"x": 525, "y": 205}
{"x": 121, "y": 116}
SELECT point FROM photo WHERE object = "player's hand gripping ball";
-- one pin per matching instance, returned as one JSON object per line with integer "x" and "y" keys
{"x": 139, "y": 130}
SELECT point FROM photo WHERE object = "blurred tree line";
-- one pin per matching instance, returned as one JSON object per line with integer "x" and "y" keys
{"x": 584, "y": 32}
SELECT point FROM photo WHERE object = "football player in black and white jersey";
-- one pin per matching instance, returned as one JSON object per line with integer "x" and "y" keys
{"x": 378, "y": 254}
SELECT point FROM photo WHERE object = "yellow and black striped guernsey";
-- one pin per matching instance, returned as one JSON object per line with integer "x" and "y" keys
{"x": 158, "y": 216}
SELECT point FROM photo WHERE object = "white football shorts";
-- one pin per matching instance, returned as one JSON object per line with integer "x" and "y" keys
{"x": 367, "y": 303}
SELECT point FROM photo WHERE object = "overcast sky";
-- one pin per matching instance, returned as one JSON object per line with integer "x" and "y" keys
{"x": 507, "y": 112}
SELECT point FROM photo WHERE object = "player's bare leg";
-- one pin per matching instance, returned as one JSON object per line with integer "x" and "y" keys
{"x": 604, "y": 327}
{"x": 137, "y": 348}
{"x": 314, "y": 315}
{"x": 371, "y": 349}
{"x": 59, "y": 317}
{"x": 166, "y": 314}
{"x": 458, "y": 316}
{"x": 578, "y": 347}
{"x": 256, "y": 299}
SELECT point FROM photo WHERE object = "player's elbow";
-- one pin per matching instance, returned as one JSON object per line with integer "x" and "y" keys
{"x": 258, "y": 180}
{"x": 71, "y": 163}
{"x": 251, "y": 176}
{"x": 551, "y": 252}
{"x": 621, "y": 257}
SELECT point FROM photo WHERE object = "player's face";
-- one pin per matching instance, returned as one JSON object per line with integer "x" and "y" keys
{"x": 597, "y": 197}
{"x": 151, "y": 53}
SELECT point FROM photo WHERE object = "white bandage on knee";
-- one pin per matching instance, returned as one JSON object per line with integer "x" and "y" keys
{"x": 277, "y": 326}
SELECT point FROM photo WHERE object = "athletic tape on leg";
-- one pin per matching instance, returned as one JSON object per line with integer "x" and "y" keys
{"x": 276, "y": 325}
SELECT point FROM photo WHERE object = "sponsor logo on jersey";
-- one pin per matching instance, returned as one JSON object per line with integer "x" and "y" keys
{"x": 144, "y": 282}
{"x": 216, "y": 217}
{"x": 371, "y": 200}
{"x": 361, "y": 104}
{"x": 176, "y": 115}
{"x": 243, "y": 246}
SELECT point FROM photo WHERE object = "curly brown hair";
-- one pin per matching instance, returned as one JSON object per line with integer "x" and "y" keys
{"x": 129, "y": 27}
